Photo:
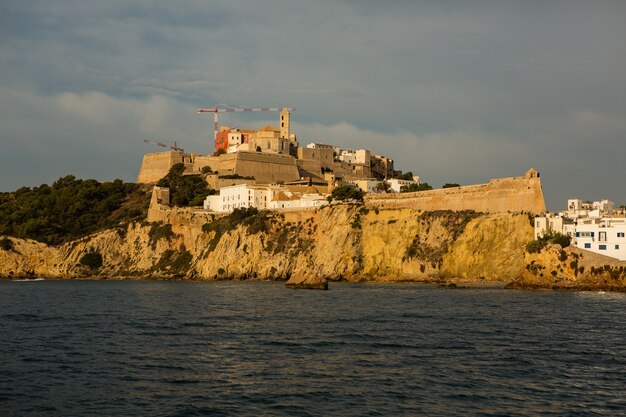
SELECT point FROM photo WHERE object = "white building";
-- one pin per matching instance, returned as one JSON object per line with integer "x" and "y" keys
{"x": 269, "y": 197}
{"x": 590, "y": 225}
{"x": 239, "y": 196}
{"x": 605, "y": 236}
{"x": 396, "y": 183}
{"x": 369, "y": 186}
{"x": 579, "y": 208}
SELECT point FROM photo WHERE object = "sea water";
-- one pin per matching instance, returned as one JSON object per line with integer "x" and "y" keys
{"x": 132, "y": 348}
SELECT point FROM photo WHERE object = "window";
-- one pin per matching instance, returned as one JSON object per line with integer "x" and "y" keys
{"x": 617, "y": 247}
{"x": 585, "y": 234}
{"x": 587, "y": 245}
{"x": 620, "y": 234}
{"x": 602, "y": 236}
{"x": 602, "y": 247}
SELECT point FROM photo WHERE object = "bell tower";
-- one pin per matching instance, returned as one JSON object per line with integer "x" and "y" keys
{"x": 284, "y": 124}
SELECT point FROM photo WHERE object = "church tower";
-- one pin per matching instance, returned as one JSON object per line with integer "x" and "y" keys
{"x": 284, "y": 124}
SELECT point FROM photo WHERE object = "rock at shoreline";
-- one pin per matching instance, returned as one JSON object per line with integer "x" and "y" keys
{"x": 307, "y": 280}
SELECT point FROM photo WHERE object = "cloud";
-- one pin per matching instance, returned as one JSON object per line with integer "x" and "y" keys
{"x": 453, "y": 91}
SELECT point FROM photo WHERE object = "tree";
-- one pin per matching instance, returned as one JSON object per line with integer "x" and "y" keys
{"x": 411, "y": 188}
{"x": 219, "y": 152}
{"x": 6, "y": 244}
{"x": 407, "y": 176}
{"x": 70, "y": 208}
{"x": 206, "y": 170}
{"x": 185, "y": 190}
{"x": 92, "y": 259}
{"x": 382, "y": 187}
{"x": 347, "y": 192}
{"x": 451, "y": 185}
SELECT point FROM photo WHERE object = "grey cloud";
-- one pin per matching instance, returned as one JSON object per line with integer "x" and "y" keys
{"x": 480, "y": 88}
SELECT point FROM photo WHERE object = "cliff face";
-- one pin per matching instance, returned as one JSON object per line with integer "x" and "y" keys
{"x": 340, "y": 242}
{"x": 570, "y": 268}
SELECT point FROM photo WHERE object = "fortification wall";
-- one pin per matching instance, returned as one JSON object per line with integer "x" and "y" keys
{"x": 309, "y": 168}
{"x": 156, "y": 165}
{"x": 201, "y": 161}
{"x": 515, "y": 194}
{"x": 265, "y": 168}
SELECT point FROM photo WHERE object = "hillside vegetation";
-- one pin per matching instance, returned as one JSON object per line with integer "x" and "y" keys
{"x": 186, "y": 190}
{"x": 70, "y": 208}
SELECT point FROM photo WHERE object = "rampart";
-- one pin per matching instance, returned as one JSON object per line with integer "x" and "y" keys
{"x": 501, "y": 195}
{"x": 156, "y": 165}
{"x": 264, "y": 167}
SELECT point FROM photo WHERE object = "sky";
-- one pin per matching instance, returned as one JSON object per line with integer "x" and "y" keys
{"x": 453, "y": 91}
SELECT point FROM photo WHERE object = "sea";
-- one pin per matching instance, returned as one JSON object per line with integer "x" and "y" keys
{"x": 159, "y": 348}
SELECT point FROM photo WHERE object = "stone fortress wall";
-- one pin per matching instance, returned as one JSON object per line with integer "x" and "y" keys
{"x": 156, "y": 165}
{"x": 501, "y": 195}
{"x": 264, "y": 167}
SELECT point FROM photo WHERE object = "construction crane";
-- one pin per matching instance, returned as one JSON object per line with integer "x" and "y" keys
{"x": 173, "y": 147}
{"x": 223, "y": 108}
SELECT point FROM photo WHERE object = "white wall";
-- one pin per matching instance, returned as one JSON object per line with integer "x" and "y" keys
{"x": 602, "y": 236}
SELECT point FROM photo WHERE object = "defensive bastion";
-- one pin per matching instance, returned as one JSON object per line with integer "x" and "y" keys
{"x": 501, "y": 195}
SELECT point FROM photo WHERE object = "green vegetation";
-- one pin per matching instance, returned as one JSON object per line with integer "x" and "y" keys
{"x": 160, "y": 231}
{"x": 255, "y": 220}
{"x": 70, "y": 209}
{"x": 235, "y": 177}
{"x": 206, "y": 170}
{"x": 406, "y": 176}
{"x": 451, "y": 185}
{"x": 6, "y": 244}
{"x": 555, "y": 238}
{"x": 382, "y": 187}
{"x": 92, "y": 259}
{"x": 347, "y": 192}
{"x": 185, "y": 190}
{"x": 411, "y": 188}
{"x": 421, "y": 247}
{"x": 219, "y": 152}
{"x": 174, "y": 262}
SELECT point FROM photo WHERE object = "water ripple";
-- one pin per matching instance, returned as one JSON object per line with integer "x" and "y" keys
{"x": 192, "y": 349}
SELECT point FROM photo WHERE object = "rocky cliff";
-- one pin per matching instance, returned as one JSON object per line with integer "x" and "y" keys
{"x": 339, "y": 242}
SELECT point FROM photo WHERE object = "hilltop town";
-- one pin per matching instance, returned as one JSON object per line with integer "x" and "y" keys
{"x": 268, "y": 169}
{"x": 266, "y": 209}
{"x": 271, "y": 167}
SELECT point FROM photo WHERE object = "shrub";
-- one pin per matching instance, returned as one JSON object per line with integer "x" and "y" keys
{"x": 91, "y": 259}
{"x": 236, "y": 177}
{"x": 255, "y": 220}
{"x": 411, "y": 188}
{"x": 535, "y": 246}
{"x": 347, "y": 192}
{"x": 185, "y": 190}
{"x": 560, "y": 239}
{"x": 451, "y": 185}
{"x": 160, "y": 231}
{"x": 555, "y": 238}
{"x": 206, "y": 170}
{"x": 70, "y": 208}
{"x": 6, "y": 244}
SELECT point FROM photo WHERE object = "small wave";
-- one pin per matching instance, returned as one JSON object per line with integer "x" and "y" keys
{"x": 29, "y": 280}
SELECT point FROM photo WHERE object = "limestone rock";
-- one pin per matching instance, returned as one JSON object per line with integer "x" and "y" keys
{"x": 307, "y": 280}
